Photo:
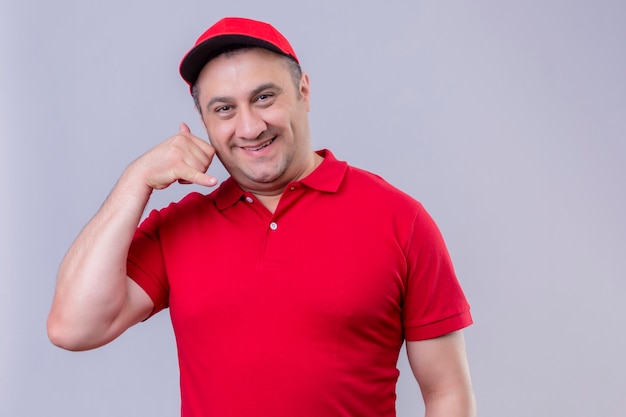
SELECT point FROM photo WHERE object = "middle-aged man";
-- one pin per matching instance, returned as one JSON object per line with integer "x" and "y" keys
{"x": 293, "y": 285}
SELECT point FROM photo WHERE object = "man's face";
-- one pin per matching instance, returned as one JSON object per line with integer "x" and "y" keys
{"x": 256, "y": 118}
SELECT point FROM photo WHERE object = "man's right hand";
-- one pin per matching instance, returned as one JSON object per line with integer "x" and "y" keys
{"x": 95, "y": 301}
{"x": 183, "y": 157}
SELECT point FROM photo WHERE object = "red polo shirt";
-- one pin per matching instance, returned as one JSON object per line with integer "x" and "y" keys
{"x": 301, "y": 312}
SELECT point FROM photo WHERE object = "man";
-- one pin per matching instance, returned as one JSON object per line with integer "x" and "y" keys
{"x": 293, "y": 285}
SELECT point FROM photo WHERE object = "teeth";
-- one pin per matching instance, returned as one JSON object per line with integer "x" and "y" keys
{"x": 260, "y": 147}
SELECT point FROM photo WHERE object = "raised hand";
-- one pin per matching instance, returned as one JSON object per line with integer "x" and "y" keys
{"x": 94, "y": 300}
{"x": 183, "y": 157}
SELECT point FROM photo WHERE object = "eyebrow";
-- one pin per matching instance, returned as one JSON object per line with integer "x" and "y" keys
{"x": 258, "y": 90}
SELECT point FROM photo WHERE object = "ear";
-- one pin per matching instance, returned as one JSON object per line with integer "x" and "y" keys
{"x": 305, "y": 90}
{"x": 201, "y": 118}
{"x": 205, "y": 126}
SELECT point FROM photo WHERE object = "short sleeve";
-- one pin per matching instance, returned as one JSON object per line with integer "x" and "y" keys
{"x": 145, "y": 263}
{"x": 434, "y": 302}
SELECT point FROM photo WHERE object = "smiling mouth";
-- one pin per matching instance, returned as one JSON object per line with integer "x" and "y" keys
{"x": 258, "y": 148}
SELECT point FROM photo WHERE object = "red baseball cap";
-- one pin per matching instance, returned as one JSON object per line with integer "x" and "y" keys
{"x": 232, "y": 31}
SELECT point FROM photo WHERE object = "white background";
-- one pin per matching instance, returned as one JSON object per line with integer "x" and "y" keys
{"x": 507, "y": 119}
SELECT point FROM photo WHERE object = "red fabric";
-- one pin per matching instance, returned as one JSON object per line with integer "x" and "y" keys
{"x": 231, "y": 31}
{"x": 307, "y": 319}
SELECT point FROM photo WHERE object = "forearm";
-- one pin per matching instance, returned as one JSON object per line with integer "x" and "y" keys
{"x": 460, "y": 403}
{"x": 91, "y": 283}
{"x": 441, "y": 369}
{"x": 95, "y": 301}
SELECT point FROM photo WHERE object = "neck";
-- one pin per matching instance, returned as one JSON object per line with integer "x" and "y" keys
{"x": 271, "y": 200}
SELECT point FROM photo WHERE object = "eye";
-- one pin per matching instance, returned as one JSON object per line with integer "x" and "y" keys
{"x": 265, "y": 99}
{"x": 223, "y": 109}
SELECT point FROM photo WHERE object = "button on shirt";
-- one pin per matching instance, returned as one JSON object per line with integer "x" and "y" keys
{"x": 300, "y": 312}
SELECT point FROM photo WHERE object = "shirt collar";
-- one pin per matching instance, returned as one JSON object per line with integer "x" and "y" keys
{"x": 327, "y": 177}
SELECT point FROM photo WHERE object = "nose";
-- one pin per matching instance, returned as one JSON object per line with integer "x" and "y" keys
{"x": 250, "y": 124}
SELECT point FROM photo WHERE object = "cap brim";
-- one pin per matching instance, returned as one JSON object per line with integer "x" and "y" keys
{"x": 197, "y": 57}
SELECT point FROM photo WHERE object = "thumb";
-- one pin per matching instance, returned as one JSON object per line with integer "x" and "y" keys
{"x": 183, "y": 128}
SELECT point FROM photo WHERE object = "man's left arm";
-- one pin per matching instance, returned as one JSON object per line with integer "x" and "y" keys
{"x": 441, "y": 369}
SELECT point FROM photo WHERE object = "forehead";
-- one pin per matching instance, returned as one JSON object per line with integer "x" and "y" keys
{"x": 243, "y": 69}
